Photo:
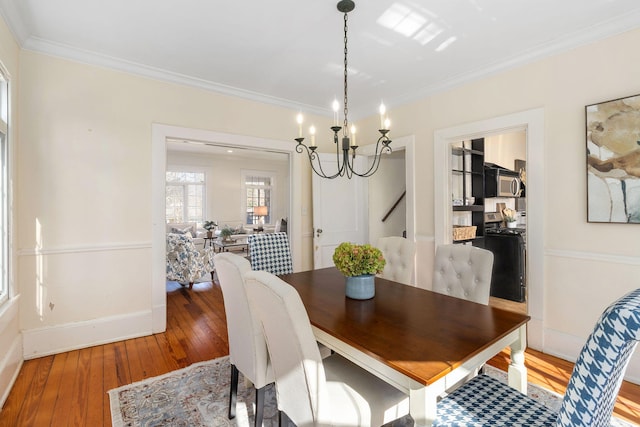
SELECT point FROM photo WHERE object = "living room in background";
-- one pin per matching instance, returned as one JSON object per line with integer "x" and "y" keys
{"x": 185, "y": 196}
{"x": 4, "y": 188}
{"x": 259, "y": 187}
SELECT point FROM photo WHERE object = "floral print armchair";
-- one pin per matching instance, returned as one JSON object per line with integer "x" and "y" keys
{"x": 185, "y": 263}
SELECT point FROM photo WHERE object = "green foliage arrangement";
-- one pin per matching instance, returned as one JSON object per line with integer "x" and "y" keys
{"x": 356, "y": 260}
{"x": 226, "y": 232}
{"x": 209, "y": 225}
{"x": 509, "y": 215}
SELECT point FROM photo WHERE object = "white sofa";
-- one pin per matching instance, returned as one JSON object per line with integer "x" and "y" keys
{"x": 242, "y": 231}
{"x": 198, "y": 234}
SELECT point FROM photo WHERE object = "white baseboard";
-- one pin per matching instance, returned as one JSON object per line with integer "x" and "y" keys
{"x": 159, "y": 318}
{"x": 72, "y": 336}
{"x": 535, "y": 337}
{"x": 568, "y": 347}
{"x": 10, "y": 368}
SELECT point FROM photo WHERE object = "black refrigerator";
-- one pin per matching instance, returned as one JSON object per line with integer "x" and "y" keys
{"x": 508, "y": 279}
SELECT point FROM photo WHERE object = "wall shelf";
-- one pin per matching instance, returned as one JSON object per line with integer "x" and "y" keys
{"x": 467, "y": 169}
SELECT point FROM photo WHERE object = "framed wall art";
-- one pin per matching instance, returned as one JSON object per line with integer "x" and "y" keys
{"x": 613, "y": 161}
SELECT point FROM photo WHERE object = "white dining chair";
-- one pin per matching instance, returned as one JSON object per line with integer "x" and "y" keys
{"x": 591, "y": 392}
{"x": 312, "y": 391}
{"x": 463, "y": 271}
{"x": 399, "y": 254}
{"x": 247, "y": 346}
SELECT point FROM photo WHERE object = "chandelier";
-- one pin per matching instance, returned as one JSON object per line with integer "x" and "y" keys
{"x": 346, "y": 159}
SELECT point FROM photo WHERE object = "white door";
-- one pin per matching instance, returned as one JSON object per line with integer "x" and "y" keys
{"x": 340, "y": 211}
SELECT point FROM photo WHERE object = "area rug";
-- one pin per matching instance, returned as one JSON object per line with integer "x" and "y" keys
{"x": 198, "y": 396}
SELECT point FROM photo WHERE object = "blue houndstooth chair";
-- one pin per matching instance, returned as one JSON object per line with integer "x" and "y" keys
{"x": 590, "y": 395}
{"x": 270, "y": 252}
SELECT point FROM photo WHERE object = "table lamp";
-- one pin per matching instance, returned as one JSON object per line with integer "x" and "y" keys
{"x": 261, "y": 212}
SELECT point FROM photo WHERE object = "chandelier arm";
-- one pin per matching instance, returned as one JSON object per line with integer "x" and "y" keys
{"x": 385, "y": 148}
{"x": 313, "y": 156}
{"x": 335, "y": 141}
{"x": 322, "y": 173}
{"x": 348, "y": 170}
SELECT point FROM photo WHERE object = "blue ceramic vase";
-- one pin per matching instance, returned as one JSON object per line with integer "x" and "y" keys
{"x": 361, "y": 287}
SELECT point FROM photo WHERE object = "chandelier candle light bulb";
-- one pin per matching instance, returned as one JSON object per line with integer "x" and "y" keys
{"x": 336, "y": 107}
{"x": 382, "y": 111}
{"x": 300, "y": 119}
{"x": 312, "y": 131}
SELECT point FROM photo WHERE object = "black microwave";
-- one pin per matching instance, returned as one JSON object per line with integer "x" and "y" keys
{"x": 501, "y": 182}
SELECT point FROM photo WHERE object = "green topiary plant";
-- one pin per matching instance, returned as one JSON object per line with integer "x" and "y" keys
{"x": 357, "y": 260}
{"x": 209, "y": 225}
{"x": 226, "y": 232}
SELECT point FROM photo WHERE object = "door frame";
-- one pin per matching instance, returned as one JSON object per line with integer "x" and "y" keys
{"x": 533, "y": 122}
{"x": 406, "y": 144}
{"x": 159, "y": 135}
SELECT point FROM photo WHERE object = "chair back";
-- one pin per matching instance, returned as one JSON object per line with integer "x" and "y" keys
{"x": 185, "y": 262}
{"x": 247, "y": 346}
{"x": 299, "y": 372}
{"x": 599, "y": 370}
{"x": 270, "y": 252}
{"x": 399, "y": 254}
{"x": 463, "y": 271}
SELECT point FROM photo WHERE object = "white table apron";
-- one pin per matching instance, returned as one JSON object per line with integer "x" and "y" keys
{"x": 423, "y": 399}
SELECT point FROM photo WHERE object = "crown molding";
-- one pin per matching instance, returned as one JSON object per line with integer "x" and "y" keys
{"x": 11, "y": 15}
{"x": 584, "y": 37}
{"x": 39, "y": 45}
{"x": 13, "y": 19}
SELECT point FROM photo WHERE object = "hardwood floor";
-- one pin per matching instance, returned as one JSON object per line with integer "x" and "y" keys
{"x": 70, "y": 389}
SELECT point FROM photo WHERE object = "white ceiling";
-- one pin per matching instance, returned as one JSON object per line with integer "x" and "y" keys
{"x": 289, "y": 52}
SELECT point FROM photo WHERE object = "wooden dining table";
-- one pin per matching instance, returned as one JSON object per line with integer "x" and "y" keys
{"x": 419, "y": 341}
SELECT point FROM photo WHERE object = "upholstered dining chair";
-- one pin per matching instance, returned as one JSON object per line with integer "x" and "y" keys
{"x": 399, "y": 254}
{"x": 463, "y": 271}
{"x": 270, "y": 252}
{"x": 312, "y": 391}
{"x": 591, "y": 393}
{"x": 185, "y": 262}
{"x": 247, "y": 346}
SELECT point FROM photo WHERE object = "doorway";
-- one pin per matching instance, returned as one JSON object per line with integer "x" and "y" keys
{"x": 532, "y": 121}
{"x": 160, "y": 134}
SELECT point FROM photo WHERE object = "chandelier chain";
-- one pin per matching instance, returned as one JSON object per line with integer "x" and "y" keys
{"x": 346, "y": 99}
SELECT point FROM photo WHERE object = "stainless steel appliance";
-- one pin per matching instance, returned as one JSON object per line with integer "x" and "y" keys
{"x": 501, "y": 182}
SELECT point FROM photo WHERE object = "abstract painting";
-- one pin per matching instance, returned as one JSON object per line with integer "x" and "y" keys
{"x": 613, "y": 161}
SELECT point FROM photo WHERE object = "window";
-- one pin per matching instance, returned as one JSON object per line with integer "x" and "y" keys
{"x": 259, "y": 189}
{"x": 4, "y": 188}
{"x": 185, "y": 196}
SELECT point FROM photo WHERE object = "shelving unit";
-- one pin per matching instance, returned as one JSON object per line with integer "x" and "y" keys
{"x": 467, "y": 171}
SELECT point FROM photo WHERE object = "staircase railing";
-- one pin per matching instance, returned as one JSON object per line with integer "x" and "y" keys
{"x": 395, "y": 205}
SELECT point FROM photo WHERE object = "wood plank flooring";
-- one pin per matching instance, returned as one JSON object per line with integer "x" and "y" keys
{"x": 70, "y": 389}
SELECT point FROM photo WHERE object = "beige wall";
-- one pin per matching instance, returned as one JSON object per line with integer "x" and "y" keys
{"x": 505, "y": 148}
{"x": 85, "y": 193}
{"x": 586, "y": 265}
{"x": 224, "y": 183}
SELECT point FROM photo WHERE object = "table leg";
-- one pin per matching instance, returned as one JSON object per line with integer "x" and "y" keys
{"x": 517, "y": 368}
{"x": 423, "y": 404}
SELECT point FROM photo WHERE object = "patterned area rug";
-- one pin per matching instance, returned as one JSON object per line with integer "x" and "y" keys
{"x": 198, "y": 396}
